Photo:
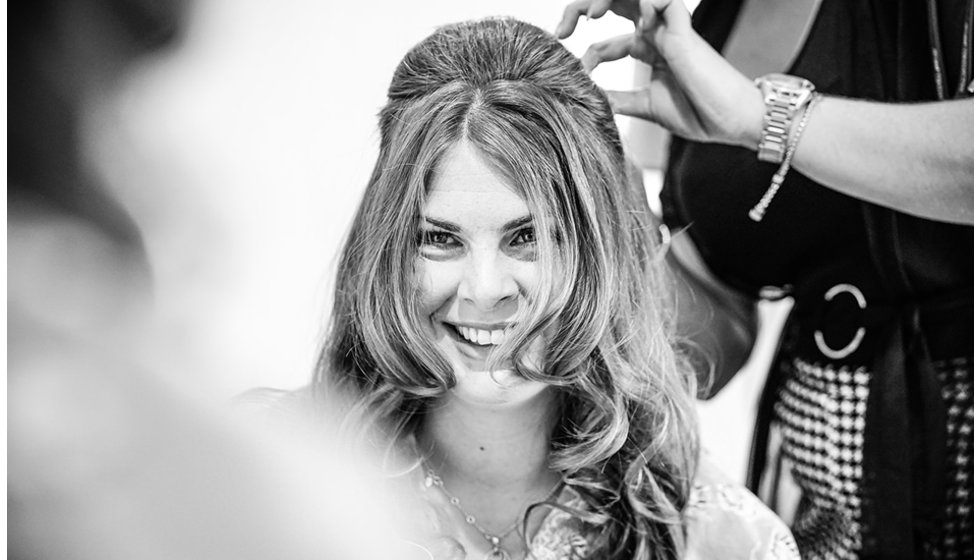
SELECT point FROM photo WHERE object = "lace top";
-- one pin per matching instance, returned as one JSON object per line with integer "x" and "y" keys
{"x": 723, "y": 521}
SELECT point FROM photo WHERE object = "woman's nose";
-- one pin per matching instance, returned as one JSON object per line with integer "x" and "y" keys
{"x": 488, "y": 281}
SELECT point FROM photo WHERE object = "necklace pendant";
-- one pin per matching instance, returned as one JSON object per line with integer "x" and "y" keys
{"x": 497, "y": 553}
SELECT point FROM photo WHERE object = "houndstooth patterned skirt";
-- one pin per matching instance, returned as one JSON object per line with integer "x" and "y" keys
{"x": 821, "y": 416}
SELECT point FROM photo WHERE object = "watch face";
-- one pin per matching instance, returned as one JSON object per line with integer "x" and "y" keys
{"x": 787, "y": 82}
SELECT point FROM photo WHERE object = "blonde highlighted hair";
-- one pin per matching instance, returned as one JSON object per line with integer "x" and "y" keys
{"x": 625, "y": 437}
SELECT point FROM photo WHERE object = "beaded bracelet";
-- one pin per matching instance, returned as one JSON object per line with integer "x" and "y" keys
{"x": 759, "y": 210}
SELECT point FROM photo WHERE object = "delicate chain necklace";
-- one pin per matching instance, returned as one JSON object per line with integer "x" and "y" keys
{"x": 497, "y": 552}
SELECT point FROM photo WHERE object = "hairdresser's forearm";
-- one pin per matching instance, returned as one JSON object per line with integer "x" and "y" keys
{"x": 915, "y": 158}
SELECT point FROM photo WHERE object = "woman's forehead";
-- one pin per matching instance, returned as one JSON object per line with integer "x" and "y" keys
{"x": 467, "y": 188}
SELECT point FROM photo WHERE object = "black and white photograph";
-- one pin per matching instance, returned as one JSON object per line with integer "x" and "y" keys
{"x": 563, "y": 280}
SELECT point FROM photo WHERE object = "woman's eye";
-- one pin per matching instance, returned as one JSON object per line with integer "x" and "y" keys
{"x": 439, "y": 245}
{"x": 524, "y": 245}
{"x": 525, "y": 236}
{"x": 437, "y": 238}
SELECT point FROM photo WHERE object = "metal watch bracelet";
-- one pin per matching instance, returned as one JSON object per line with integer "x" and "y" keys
{"x": 784, "y": 96}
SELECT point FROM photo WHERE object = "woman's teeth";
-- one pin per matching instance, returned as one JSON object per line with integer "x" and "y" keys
{"x": 481, "y": 336}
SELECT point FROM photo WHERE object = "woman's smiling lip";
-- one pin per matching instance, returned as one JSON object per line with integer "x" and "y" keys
{"x": 479, "y": 335}
{"x": 481, "y": 326}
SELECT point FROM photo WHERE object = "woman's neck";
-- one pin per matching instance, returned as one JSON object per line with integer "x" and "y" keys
{"x": 495, "y": 447}
{"x": 493, "y": 461}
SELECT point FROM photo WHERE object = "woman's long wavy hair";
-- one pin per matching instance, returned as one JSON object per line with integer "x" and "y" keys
{"x": 625, "y": 435}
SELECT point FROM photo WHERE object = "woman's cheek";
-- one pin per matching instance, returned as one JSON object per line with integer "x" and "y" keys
{"x": 439, "y": 283}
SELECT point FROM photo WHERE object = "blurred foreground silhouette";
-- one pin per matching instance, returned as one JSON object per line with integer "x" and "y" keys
{"x": 106, "y": 459}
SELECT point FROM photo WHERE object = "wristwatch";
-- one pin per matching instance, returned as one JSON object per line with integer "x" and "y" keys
{"x": 784, "y": 95}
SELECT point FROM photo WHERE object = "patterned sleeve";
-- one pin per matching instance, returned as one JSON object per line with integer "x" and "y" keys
{"x": 725, "y": 521}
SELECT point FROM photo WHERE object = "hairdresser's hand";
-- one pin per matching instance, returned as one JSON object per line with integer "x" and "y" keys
{"x": 693, "y": 92}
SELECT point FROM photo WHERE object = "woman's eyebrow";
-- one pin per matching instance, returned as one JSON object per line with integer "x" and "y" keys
{"x": 516, "y": 223}
{"x": 448, "y": 226}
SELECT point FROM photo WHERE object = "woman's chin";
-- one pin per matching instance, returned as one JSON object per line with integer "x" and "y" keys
{"x": 503, "y": 376}
{"x": 499, "y": 388}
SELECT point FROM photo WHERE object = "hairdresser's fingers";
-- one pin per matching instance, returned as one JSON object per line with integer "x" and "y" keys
{"x": 621, "y": 47}
{"x": 569, "y": 18}
{"x": 657, "y": 34}
{"x": 662, "y": 103}
{"x": 672, "y": 14}
{"x": 629, "y": 9}
{"x": 631, "y": 103}
{"x": 648, "y": 16}
{"x": 607, "y": 51}
{"x": 654, "y": 104}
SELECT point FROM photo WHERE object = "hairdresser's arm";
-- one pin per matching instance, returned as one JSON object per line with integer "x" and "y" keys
{"x": 915, "y": 158}
{"x": 719, "y": 323}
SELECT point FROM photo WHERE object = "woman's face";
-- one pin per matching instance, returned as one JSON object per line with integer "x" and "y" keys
{"x": 477, "y": 261}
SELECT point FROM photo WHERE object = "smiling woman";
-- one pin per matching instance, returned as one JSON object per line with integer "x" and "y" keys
{"x": 477, "y": 262}
{"x": 500, "y": 326}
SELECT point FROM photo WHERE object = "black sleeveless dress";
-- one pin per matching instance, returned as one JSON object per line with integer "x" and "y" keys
{"x": 872, "y": 386}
